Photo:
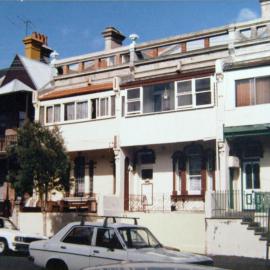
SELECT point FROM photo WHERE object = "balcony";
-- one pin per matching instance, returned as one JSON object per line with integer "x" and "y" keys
{"x": 6, "y": 141}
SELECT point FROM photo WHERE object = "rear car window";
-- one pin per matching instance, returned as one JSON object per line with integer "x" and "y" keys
{"x": 80, "y": 236}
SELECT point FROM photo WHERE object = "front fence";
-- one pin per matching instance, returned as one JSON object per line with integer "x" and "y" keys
{"x": 160, "y": 202}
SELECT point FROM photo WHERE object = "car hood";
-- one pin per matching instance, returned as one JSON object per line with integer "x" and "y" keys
{"x": 165, "y": 255}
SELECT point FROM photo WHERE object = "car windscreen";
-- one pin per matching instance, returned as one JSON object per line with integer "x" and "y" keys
{"x": 138, "y": 238}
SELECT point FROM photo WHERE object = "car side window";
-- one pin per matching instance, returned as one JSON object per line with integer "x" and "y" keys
{"x": 107, "y": 238}
{"x": 80, "y": 235}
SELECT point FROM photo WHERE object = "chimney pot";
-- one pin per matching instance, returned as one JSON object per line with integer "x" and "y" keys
{"x": 113, "y": 38}
{"x": 265, "y": 9}
{"x": 36, "y": 47}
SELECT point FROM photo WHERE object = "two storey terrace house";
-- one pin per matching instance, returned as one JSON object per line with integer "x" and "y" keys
{"x": 143, "y": 124}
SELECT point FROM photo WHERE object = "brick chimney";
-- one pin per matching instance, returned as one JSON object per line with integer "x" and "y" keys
{"x": 265, "y": 9}
{"x": 36, "y": 47}
{"x": 113, "y": 38}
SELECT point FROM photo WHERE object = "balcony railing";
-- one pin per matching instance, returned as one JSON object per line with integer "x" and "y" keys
{"x": 6, "y": 141}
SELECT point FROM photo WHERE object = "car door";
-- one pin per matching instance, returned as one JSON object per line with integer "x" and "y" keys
{"x": 107, "y": 248}
{"x": 74, "y": 249}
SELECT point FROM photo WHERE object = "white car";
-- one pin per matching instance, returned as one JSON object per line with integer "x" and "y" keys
{"x": 79, "y": 245}
{"x": 12, "y": 239}
{"x": 151, "y": 266}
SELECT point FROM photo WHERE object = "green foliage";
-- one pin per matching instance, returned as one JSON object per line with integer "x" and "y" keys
{"x": 38, "y": 160}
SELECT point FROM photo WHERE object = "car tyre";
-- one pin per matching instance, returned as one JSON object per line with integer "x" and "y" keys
{"x": 56, "y": 265}
{"x": 3, "y": 246}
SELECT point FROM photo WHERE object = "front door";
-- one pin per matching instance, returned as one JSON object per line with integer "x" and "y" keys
{"x": 251, "y": 184}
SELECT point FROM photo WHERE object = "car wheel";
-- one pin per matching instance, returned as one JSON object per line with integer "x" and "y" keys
{"x": 3, "y": 246}
{"x": 56, "y": 265}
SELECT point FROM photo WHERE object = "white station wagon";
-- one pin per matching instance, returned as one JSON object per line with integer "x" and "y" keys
{"x": 79, "y": 245}
{"x": 12, "y": 239}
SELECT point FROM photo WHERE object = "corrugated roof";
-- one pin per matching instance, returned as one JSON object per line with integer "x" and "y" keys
{"x": 40, "y": 73}
{"x": 76, "y": 91}
{"x": 15, "y": 86}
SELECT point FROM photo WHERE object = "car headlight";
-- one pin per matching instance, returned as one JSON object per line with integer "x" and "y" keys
{"x": 19, "y": 239}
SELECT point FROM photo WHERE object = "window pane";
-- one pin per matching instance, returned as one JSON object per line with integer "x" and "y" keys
{"x": 243, "y": 93}
{"x": 195, "y": 165}
{"x": 112, "y": 105}
{"x": 57, "y": 113}
{"x": 248, "y": 170}
{"x": 134, "y": 106}
{"x": 159, "y": 97}
{"x": 123, "y": 106}
{"x": 256, "y": 175}
{"x": 262, "y": 90}
{"x": 202, "y": 85}
{"x": 80, "y": 236}
{"x": 183, "y": 87}
{"x": 134, "y": 93}
{"x": 79, "y": 173}
{"x": 195, "y": 183}
{"x": 41, "y": 115}
{"x": 94, "y": 108}
{"x": 82, "y": 110}
{"x": 49, "y": 115}
{"x": 103, "y": 106}
{"x": 69, "y": 111}
{"x": 108, "y": 239}
{"x": 203, "y": 98}
{"x": 184, "y": 100}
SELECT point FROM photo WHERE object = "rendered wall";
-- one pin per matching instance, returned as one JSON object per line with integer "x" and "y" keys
{"x": 185, "y": 231}
{"x": 181, "y": 126}
{"x": 229, "y": 237}
{"x": 182, "y": 230}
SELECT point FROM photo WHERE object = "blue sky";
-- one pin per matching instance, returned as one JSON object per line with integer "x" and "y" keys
{"x": 74, "y": 27}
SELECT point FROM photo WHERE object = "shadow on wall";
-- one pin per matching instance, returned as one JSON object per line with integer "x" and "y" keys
{"x": 56, "y": 221}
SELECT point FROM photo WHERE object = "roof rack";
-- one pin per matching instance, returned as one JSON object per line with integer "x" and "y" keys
{"x": 105, "y": 223}
{"x": 83, "y": 216}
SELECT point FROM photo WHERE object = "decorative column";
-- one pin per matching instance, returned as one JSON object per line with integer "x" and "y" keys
{"x": 119, "y": 159}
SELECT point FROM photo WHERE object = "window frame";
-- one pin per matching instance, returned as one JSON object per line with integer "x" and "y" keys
{"x": 140, "y": 99}
{"x": 53, "y": 111}
{"x": 82, "y": 101}
{"x": 108, "y": 110}
{"x": 252, "y": 90}
{"x": 194, "y": 94}
{"x": 66, "y": 103}
{"x": 189, "y": 190}
{"x": 79, "y": 226}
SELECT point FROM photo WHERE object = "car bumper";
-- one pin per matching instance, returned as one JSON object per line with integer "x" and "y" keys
{"x": 21, "y": 247}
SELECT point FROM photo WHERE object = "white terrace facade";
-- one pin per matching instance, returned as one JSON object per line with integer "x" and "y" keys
{"x": 143, "y": 124}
